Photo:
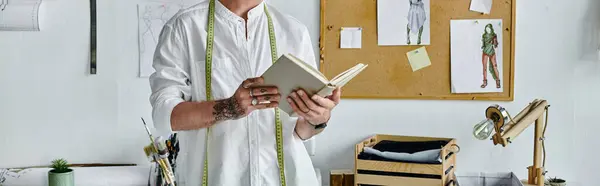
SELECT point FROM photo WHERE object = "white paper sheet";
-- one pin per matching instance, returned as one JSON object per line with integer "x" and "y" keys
{"x": 351, "y": 37}
{"x": 19, "y": 15}
{"x": 469, "y": 66}
{"x": 483, "y": 6}
{"x": 401, "y": 22}
{"x": 152, "y": 16}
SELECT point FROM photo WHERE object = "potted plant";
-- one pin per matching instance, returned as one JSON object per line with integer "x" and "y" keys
{"x": 60, "y": 174}
{"x": 556, "y": 182}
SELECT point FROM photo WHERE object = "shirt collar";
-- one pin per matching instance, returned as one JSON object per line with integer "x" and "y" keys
{"x": 225, "y": 12}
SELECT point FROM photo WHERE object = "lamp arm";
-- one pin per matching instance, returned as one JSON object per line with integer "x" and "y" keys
{"x": 524, "y": 119}
{"x": 518, "y": 117}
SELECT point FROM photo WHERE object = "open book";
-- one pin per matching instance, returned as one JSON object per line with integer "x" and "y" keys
{"x": 290, "y": 73}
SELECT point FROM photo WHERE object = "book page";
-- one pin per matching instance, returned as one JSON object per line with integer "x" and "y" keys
{"x": 336, "y": 78}
{"x": 308, "y": 67}
{"x": 346, "y": 76}
{"x": 349, "y": 77}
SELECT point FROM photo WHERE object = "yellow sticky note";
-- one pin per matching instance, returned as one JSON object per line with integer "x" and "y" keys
{"x": 418, "y": 59}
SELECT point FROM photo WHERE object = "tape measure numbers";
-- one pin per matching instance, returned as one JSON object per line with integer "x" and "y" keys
{"x": 278, "y": 125}
{"x": 208, "y": 74}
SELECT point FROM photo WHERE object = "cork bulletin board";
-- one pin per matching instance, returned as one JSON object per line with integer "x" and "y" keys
{"x": 389, "y": 75}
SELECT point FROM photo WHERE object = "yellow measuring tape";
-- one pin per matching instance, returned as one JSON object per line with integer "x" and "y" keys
{"x": 209, "y": 51}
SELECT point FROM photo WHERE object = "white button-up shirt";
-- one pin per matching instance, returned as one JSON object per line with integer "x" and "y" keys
{"x": 241, "y": 152}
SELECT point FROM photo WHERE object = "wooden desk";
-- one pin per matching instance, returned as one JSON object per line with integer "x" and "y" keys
{"x": 569, "y": 183}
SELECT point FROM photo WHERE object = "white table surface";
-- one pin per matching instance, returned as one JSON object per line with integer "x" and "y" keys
{"x": 87, "y": 176}
{"x": 93, "y": 176}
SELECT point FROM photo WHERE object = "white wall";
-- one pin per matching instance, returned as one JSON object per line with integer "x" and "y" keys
{"x": 50, "y": 107}
{"x": 586, "y": 88}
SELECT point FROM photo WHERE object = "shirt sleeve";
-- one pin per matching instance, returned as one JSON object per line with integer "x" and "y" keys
{"x": 307, "y": 54}
{"x": 170, "y": 81}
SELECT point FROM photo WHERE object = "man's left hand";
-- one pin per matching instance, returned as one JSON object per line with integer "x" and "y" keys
{"x": 316, "y": 109}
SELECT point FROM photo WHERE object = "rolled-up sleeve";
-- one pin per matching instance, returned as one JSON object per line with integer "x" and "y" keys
{"x": 169, "y": 82}
{"x": 306, "y": 53}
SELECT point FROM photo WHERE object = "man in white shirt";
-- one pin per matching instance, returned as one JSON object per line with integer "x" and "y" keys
{"x": 242, "y": 139}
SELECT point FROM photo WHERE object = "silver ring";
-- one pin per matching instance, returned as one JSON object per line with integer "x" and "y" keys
{"x": 251, "y": 92}
{"x": 254, "y": 101}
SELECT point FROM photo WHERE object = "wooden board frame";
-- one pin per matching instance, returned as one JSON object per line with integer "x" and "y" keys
{"x": 376, "y": 84}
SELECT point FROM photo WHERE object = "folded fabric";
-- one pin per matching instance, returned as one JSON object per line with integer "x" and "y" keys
{"x": 409, "y": 146}
{"x": 427, "y": 152}
{"x": 426, "y": 156}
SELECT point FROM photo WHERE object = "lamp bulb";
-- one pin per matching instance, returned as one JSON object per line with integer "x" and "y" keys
{"x": 483, "y": 129}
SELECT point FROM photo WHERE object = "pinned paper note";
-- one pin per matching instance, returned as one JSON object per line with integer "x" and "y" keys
{"x": 351, "y": 37}
{"x": 483, "y": 6}
{"x": 418, "y": 59}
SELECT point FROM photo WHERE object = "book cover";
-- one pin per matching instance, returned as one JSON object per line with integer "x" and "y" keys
{"x": 289, "y": 73}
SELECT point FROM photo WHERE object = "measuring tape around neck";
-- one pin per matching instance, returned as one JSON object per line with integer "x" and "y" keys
{"x": 208, "y": 74}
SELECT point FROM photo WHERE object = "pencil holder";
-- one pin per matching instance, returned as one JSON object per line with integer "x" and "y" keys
{"x": 61, "y": 179}
{"x": 156, "y": 177}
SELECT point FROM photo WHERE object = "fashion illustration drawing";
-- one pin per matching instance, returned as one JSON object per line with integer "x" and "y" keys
{"x": 488, "y": 47}
{"x": 416, "y": 19}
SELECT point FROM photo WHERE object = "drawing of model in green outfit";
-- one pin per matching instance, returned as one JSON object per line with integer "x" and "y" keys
{"x": 489, "y": 45}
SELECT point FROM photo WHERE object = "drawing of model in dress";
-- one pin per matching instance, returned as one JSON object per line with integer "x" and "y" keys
{"x": 416, "y": 19}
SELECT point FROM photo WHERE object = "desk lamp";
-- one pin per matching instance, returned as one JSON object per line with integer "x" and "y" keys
{"x": 507, "y": 129}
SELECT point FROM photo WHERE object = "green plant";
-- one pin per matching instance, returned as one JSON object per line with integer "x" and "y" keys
{"x": 60, "y": 166}
{"x": 556, "y": 180}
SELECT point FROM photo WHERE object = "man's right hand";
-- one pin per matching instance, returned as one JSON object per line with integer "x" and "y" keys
{"x": 241, "y": 103}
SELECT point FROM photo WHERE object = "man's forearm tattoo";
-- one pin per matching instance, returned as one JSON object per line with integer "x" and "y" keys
{"x": 227, "y": 109}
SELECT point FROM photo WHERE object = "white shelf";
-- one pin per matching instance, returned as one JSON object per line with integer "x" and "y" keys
{"x": 88, "y": 176}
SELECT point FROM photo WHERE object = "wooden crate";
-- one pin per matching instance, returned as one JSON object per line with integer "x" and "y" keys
{"x": 342, "y": 177}
{"x": 373, "y": 172}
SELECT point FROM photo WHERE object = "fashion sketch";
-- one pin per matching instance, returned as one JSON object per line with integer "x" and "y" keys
{"x": 489, "y": 45}
{"x": 416, "y": 19}
{"x": 3, "y": 4}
